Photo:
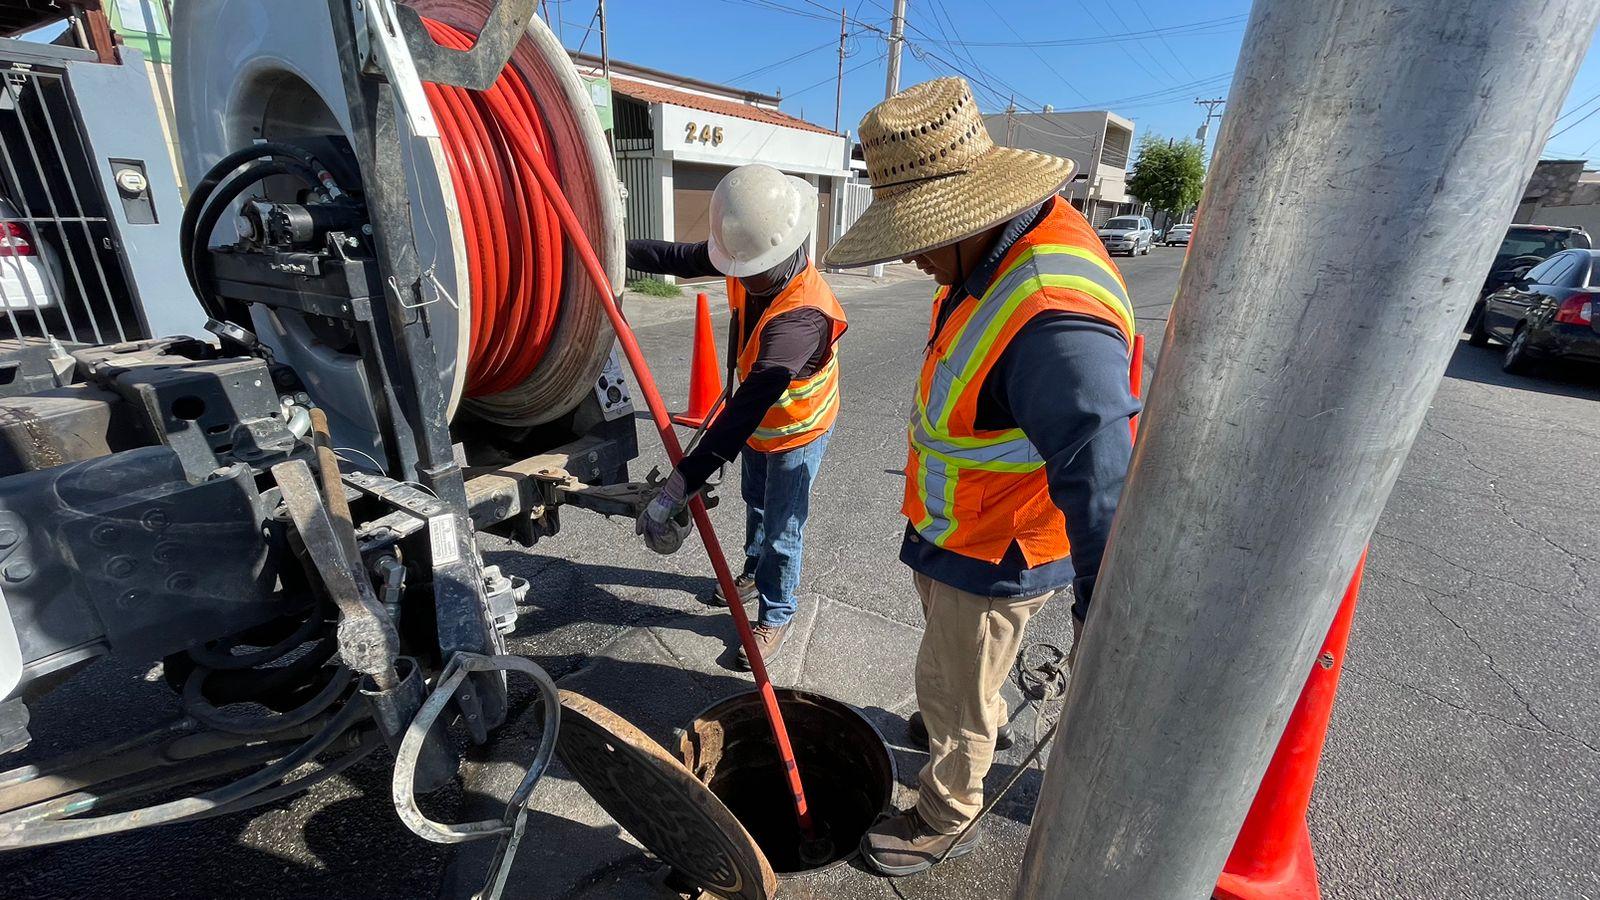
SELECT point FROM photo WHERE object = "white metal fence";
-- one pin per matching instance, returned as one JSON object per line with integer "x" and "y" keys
{"x": 59, "y": 271}
{"x": 852, "y": 203}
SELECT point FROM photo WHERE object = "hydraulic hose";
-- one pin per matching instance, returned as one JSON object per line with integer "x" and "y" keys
{"x": 213, "y": 206}
{"x": 506, "y": 113}
{"x": 16, "y": 834}
{"x": 295, "y": 159}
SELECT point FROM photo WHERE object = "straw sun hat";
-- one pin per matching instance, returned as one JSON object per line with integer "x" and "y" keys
{"x": 937, "y": 177}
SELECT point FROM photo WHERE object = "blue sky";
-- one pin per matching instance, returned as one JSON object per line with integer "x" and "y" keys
{"x": 1164, "y": 55}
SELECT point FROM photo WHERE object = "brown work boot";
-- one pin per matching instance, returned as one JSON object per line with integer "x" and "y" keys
{"x": 747, "y": 590}
{"x": 904, "y": 844}
{"x": 769, "y": 640}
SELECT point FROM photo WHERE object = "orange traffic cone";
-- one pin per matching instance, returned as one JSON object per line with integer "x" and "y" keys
{"x": 1272, "y": 856}
{"x": 705, "y": 373}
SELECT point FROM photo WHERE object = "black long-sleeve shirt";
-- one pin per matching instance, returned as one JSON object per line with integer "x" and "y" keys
{"x": 793, "y": 345}
{"x": 1063, "y": 379}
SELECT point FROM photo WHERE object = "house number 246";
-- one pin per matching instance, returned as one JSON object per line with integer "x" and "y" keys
{"x": 705, "y": 134}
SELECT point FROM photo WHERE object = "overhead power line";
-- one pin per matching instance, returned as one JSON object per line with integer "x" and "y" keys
{"x": 1573, "y": 124}
{"x": 826, "y": 45}
{"x": 1574, "y": 109}
{"x": 830, "y": 78}
{"x": 1201, "y": 27}
{"x": 1037, "y": 55}
{"x": 1161, "y": 36}
{"x": 1112, "y": 8}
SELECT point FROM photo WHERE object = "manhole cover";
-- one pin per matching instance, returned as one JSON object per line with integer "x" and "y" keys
{"x": 660, "y": 802}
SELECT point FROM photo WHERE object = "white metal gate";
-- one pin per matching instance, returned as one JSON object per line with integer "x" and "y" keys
{"x": 60, "y": 276}
{"x": 851, "y": 203}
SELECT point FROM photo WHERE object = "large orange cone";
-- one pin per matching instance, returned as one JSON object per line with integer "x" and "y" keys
{"x": 705, "y": 373}
{"x": 1272, "y": 856}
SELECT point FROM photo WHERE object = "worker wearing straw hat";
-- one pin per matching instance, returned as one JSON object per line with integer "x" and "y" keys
{"x": 786, "y": 323}
{"x": 1018, "y": 437}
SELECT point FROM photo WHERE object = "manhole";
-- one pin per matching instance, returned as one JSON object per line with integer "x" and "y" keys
{"x": 846, "y": 765}
{"x": 660, "y": 802}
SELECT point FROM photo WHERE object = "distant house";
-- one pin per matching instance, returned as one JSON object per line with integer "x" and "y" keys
{"x": 1562, "y": 192}
{"x": 1098, "y": 141}
{"x": 677, "y": 136}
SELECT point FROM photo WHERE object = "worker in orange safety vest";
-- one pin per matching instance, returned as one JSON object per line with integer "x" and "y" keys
{"x": 785, "y": 326}
{"x": 1019, "y": 436}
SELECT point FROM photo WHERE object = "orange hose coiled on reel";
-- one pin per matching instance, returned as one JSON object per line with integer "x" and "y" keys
{"x": 513, "y": 239}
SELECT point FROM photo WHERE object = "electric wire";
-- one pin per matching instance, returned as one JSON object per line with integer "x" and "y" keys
{"x": 1574, "y": 110}
{"x": 1112, "y": 8}
{"x": 825, "y": 45}
{"x": 1203, "y": 27}
{"x": 831, "y": 78}
{"x": 1036, "y": 54}
{"x": 1162, "y": 37}
{"x": 1573, "y": 124}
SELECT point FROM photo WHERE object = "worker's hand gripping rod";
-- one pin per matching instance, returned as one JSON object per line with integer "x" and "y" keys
{"x": 524, "y": 146}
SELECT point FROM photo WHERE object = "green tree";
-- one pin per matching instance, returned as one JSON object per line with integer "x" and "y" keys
{"x": 1168, "y": 174}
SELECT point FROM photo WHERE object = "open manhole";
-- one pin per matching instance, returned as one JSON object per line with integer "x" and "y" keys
{"x": 847, "y": 768}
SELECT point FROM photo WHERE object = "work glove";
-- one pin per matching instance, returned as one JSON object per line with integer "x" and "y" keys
{"x": 665, "y": 521}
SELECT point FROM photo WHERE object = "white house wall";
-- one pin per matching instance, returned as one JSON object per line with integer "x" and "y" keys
{"x": 745, "y": 141}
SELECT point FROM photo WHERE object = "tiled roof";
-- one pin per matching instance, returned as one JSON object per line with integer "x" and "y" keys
{"x": 652, "y": 93}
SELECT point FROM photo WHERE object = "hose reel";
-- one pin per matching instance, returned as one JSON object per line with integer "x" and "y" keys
{"x": 526, "y": 339}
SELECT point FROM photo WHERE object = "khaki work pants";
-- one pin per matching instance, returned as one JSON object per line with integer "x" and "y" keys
{"x": 967, "y": 651}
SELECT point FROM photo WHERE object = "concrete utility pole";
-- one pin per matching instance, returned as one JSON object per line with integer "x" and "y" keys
{"x": 1011, "y": 122}
{"x": 1278, "y": 421}
{"x": 838, "y": 88}
{"x": 605, "y": 42}
{"x": 897, "y": 39}
{"x": 1205, "y": 127}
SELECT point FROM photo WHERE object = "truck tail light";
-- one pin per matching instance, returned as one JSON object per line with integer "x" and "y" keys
{"x": 1576, "y": 310}
{"x": 14, "y": 240}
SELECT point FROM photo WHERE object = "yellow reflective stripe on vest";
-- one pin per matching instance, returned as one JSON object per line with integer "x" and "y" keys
{"x": 1052, "y": 266}
{"x": 936, "y": 482}
{"x": 813, "y": 384}
{"x": 808, "y": 422}
{"x": 1111, "y": 292}
{"x": 1010, "y": 452}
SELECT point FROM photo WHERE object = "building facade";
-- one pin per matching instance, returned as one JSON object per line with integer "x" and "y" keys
{"x": 1562, "y": 192}
{"x": 1099, "y": 142}
{"x": 676, "y": 137}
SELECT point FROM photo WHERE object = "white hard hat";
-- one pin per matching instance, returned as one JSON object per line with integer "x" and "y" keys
{"x": 759, "y": 217}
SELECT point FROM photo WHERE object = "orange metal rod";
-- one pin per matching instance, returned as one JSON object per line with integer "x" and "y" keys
{"x": 525, "y": 148}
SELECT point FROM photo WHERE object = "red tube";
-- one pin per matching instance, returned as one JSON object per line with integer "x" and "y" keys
{"x": 508, "y": 112}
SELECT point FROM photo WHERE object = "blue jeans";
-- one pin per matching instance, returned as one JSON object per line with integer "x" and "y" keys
{"x": 777, "y": 498}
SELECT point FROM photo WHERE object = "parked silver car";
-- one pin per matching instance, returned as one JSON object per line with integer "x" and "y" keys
{"x": 1127, "y": 234}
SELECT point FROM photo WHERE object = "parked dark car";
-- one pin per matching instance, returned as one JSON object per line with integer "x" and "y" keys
{"x": 1548, "y": 313}
{"x": 1524, "y": 247}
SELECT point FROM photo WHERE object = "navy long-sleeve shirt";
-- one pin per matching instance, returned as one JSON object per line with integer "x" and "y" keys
{"x": 793, "y": 345}
{"x": 1063, "y": 379}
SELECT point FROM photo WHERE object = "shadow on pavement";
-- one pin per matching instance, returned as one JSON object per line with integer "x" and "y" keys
{"x": 566, "y": 853}
{"x": 1562, "y": 379}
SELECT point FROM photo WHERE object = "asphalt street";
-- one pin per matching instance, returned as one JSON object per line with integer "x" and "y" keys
{"x": 1463, "y": 759}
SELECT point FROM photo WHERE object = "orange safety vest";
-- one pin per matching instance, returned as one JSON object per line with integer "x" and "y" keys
{"x": 809, "y": 406}
{"x": 975, "y": 491}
